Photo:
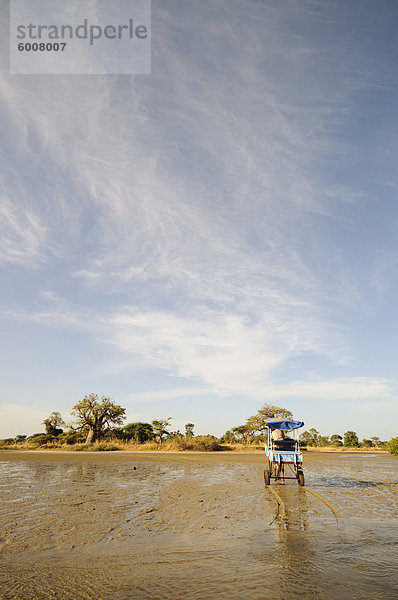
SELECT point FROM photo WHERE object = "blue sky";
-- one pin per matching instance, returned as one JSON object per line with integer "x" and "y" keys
{"x": 213, "y": 236}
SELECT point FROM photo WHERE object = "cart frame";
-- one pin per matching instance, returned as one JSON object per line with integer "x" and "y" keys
{"x": 283, "y": 454}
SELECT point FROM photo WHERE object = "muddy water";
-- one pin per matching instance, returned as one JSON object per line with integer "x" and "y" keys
{"x": 195, "y": 526}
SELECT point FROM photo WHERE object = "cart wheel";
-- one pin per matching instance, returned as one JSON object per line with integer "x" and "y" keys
{"x": 267, "y": 477}
{"x": 300, "y": 478}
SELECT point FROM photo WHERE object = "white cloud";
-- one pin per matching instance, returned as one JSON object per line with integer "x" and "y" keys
{"x": 196, "y": 195}
{"x": 175, "y": 179}
{"x": 22, "y": 234}
{"x": 228, "y": 353}
{"x": 224, "y": 352}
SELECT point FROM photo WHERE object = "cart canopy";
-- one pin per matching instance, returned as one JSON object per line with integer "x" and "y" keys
{"x": 283, "y": 424}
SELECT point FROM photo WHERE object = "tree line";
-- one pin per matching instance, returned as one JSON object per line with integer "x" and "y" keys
{"x": 252, "y": 432}
{"x": 349, "y": 440}
{"x": 101, "y": 420}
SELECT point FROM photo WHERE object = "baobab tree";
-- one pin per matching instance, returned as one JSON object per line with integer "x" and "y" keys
{"x": 53, "y": 423}
{"x": 97, "y": 416}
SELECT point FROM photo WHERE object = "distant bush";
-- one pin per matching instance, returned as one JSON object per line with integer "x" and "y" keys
{"x": 392, "y": 446}
{"x": 186, "y": 444}
{"x": 351, "y": 439}
{"x": 366, "y": 443}
{"x": 80, "y": 447}
{"x": 104, "y": 447}
{"x": 208, "y": 442}
{"x": 138, "y": 432}
{"x": 40, "y": 439}
{"x": 5, "y": 446}
{"x": 99, "y": 447}
{"x": 228, "y": 438}
{"x": 71, "y": 437}
{"x": 203, "y": 443}
{"x": 336, "y": 440}
{"x": 7, "y": 442}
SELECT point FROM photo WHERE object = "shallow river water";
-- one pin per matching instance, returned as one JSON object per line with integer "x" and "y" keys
{"x": 196, "y": 526}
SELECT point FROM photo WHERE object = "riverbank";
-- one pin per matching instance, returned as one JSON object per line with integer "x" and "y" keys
{"x": 343, "y": 449}
{"x": 171, "y": 449}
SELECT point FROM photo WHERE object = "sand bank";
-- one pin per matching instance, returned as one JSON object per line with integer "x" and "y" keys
{"x": 160, "y": 526}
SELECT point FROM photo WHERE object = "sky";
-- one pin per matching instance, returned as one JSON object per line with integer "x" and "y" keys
{"x": 219, "y": 234}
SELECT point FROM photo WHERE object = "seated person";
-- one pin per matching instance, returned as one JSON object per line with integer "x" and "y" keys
{"x": 277, "y": 435}
{"x": 280, "y": 441}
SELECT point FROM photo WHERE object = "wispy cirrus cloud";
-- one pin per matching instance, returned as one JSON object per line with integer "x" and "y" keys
{"x": 221, "y": 355}
{"x": 192, "y": 220}
{"x": 22, "y": 234}
{"x": 186, "y": 181}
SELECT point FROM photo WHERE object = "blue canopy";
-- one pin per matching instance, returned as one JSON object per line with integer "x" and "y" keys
{"x": 283, "y": 424}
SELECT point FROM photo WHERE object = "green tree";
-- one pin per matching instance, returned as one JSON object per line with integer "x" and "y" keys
{"x": 53, "y": 424}
{"x": 207, "y": 443}
{"x": 140, "y": 432}
{"x": 189, "y": 427}
{"x": 376, "y": 441}
{"x": 20, "y": 438}
{"x": 392, "y": 445}
{"x": 242, "y": 433}
{"x": 71, "y": 437}
{"x": 310, "y": 438}
{"x": 336, "y": 439}
{"x": 96, "y": 416}
{"x": 177, "y": 436}
{"x": 367, "y": 443}
{"x": 160, "y": 428}
{"x": 268, "y": 411}
{"x": 351, "y": 439}
{"x": 323, "y": 440}
{"x": 40, "y": 439}
{"x": 228, "y": 438}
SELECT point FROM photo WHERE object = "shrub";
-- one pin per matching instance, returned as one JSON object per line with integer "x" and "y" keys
{"x": 7, "y": 441}
{"x": 228, "y": 438}
{"x": 139, "y": 432}
{"x": 104, "y": 447}
{"x": 98, "y": 447}
{"x": 116, "y": 433}
{"x": 336, "y": 440}
{"x": 392, "y": 446}
{"x": 81, "y": 447}
{"x": 366, "y": 443}
{"x": 71, "y": 437}
{"x": 40, "y": 439}
{"x": 8, "y": 444}
{"x": 351, "y": 439}
{"x": 207, "y": 443}
{"x": 187, "y": 444}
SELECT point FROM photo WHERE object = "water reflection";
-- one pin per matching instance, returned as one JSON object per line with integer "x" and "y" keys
{"x": 296, "y": 556}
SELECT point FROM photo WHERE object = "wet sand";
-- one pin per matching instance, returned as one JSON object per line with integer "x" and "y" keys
{"x": 198, "y": 526}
